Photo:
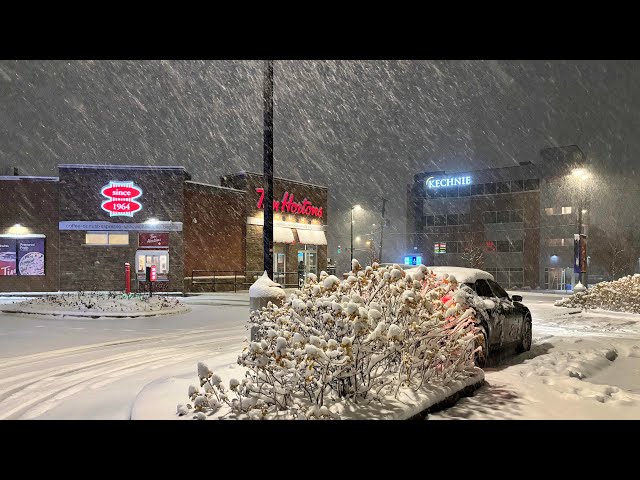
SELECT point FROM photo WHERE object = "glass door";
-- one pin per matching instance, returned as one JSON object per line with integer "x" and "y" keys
{"x": 279, "y": 264}
{"x": 307, "y": 262}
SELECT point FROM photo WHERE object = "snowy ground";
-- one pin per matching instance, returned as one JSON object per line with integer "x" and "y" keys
{"x": 582, "y": 365}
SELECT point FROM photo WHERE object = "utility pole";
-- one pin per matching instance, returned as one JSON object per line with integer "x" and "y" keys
{"x": 267, "y": 228}
{"x": 384, "y": 201}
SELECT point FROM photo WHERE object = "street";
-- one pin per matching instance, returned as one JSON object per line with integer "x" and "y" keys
{"x": 581, "y": 365}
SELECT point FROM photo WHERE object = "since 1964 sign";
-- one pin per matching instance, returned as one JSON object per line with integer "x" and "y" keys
{"x": 121, "y": 199}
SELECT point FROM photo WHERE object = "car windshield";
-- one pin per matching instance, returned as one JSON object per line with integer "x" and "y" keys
{"x": 497, "y": 289}
{"x": 483, "y": 289}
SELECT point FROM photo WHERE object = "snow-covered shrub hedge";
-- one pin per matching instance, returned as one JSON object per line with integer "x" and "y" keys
{"x": 358, "y": 339}
{"x": 622, "y": 295}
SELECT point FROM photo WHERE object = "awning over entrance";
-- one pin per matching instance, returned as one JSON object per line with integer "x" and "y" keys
{"x": 283, "y": 235}
{"x": 312, "y": 237}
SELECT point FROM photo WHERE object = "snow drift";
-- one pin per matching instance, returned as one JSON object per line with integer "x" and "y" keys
{"x": 622, "y": 295}
{"x": 97, "y": 303}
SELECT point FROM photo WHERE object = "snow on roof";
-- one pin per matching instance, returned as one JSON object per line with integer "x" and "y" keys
{"x": 28, "y": 177}
{"x": 215, "y": 186}
{"x": 462, "y": 274}
{"x": 118, "y": 167}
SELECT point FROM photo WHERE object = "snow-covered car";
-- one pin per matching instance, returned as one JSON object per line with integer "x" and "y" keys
{"x": 504, "y": 321}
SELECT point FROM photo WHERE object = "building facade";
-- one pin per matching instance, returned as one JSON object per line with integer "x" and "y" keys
{"x": 78, "y": 230}
{"x": 517, "y": 223}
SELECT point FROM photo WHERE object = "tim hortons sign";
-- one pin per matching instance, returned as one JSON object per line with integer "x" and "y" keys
{"x": 120, "y": 199}
{"x": 288, "y": 205}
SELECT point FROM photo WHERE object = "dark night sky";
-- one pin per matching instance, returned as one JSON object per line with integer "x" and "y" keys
{"x": 361, "y": 128}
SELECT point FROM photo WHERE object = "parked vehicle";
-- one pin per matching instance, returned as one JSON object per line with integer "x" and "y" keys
{"x": 509, "y": 322}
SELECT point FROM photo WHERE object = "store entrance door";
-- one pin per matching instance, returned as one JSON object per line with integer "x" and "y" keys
{"x": 307, "y": 262}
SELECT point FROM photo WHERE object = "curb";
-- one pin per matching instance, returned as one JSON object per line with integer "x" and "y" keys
{"x": 450, "y": 401}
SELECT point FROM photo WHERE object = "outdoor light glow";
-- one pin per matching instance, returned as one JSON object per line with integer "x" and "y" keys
{"x": 17, "y": 225}
{"x": 580, "y": 173}
{"x": 152, "y": 220}
{"x": 357, "y": 238}
{"x": 356, "y": 207}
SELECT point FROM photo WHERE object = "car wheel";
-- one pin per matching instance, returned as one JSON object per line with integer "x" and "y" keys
{"x": 482, "y": 358}
{"x": 525, "y": 340}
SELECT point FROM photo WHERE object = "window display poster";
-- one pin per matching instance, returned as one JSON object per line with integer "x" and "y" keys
{"x": 7, "y": 256}
{"x": 30, "y": 256}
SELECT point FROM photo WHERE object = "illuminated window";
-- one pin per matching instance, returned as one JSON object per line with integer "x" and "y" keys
{"x": 96, "y": 238}
{"x": 119, "y": 238}
{"x": 106, "y": 238}
{"x": 566, "y": 210}
{"x": 548, "y": 211}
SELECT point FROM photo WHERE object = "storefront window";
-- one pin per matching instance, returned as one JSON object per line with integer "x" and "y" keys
{"x": 106, "y": 238}
{"x": 96, "y": 238}
{"x": 119, "y": 238}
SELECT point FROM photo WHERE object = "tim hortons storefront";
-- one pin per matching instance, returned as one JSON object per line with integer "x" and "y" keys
{"x": 76, "y": 231}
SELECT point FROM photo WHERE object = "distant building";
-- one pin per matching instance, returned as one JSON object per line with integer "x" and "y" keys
{"x": 517, "y": 223}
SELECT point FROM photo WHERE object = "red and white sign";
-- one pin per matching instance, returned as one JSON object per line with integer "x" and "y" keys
{"x": 152, "y": 275}
{"x": 288, "y": 205}
{"x": 121, "y": 197}
{"x": 153, "y": 240}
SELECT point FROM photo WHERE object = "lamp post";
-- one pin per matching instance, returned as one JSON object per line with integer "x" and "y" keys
{"x": 267, "y": 229}
{"x": 355, "y": 207}
{"x": 581, "y": 174}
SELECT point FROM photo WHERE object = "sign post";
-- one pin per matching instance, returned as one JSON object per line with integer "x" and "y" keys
{"x": 127, "y": 278}
{"x": 151, "y": 277}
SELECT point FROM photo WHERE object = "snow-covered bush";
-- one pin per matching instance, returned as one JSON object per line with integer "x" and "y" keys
{"x": 358, "y": 339}
{"x": 622, "y": 295}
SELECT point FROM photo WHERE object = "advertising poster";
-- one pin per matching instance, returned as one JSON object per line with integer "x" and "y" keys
{"x": 583, "y": 253}
{"x": 30, "y": 256}
{"x": 7, "y": 256}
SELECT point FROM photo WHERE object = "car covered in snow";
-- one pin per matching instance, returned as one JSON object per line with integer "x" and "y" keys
{"x": 504, "y": 320}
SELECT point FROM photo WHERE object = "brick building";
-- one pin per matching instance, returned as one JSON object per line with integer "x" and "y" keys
{"x": 76, "y": 231}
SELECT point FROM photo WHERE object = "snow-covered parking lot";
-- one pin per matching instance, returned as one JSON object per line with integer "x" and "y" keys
{"x": 582, "y": 365}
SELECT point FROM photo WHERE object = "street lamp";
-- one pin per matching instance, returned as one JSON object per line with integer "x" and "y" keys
{"x": 581, "y": 174}
{"x": 355, "y": 207}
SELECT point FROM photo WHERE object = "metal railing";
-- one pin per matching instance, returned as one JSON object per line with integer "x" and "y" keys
{"x": 238, "y": 278}
{"x": 286, "y": 279}
{"x": 218, "y": 277}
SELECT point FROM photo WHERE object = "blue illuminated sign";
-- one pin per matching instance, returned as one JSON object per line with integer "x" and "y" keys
{"x": 433, "y": 182}
{"x": 413, "y": 260}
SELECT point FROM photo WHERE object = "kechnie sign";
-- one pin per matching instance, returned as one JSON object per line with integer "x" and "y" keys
{"x": 447, "y": 182}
